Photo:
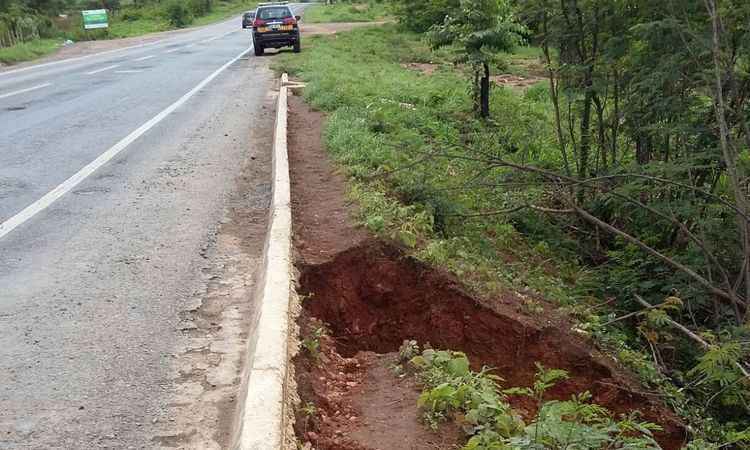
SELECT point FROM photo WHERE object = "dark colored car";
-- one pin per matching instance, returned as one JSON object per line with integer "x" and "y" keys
{"x": 247, "y": 19}
{"x": 274, "y": 27}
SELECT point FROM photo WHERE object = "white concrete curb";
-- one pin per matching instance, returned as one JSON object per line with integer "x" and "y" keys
{"x": 263, "y": 419}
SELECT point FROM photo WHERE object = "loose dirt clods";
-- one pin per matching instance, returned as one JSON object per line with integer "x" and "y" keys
{"x": 363, "y": 298}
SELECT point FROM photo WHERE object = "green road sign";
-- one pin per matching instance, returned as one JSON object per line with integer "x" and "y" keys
{"x": 94, "y": 18}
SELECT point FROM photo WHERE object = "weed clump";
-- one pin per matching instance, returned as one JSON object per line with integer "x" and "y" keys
{"x": 478, "y": 403}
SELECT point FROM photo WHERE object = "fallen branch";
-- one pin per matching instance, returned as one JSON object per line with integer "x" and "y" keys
{"x": 634, "y": 313}
{"x": 515, "y": 209}
{"x": 691, "y": 335}
{"x": 671, "y": 262}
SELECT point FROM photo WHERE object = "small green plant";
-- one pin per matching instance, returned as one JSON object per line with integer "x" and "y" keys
{"x": 309, "y": 410}
{"x": 477, "y": 403}
{"x": 311, "y": 343}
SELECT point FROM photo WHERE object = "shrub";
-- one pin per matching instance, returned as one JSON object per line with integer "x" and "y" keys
{"x": 421, "y": 15}
{"x": 131, "y": 14}
{"x": 199, "y": 7}
{"x": 178, "y": 14}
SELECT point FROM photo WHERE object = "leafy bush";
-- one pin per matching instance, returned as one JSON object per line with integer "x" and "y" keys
{"x": 478, "y": 404}
{"x": 421, "y": 15}
{"x": 131, "y": 14}
{"x": 345, "y": 12}
{"x": 178, "y": 14}
{"x": 199, "y": 7}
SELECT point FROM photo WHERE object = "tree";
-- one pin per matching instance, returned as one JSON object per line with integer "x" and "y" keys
{"x": 479, "y": 29}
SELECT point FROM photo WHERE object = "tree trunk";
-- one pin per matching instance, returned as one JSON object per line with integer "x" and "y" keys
{"x": 484, "y": 92}
{"x": 553, "y": 84}
{"x": 728, "y": 152}
{"x": 585, "y": 148}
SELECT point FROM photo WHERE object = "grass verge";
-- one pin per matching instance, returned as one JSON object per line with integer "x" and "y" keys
{"x": 151, "y": 19}
{"x": 384, "y": 121}
{"x": 345, "y": 12}
{"x": 28, "y": 50}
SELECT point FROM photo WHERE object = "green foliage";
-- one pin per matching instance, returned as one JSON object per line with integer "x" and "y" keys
{"x": 477, "y": 30}
{"x": 387, "y": 123}
{"x": 476, "y": 402}
{"x": 345, "y": 12}
{"x": 28, "y": 50}
{"x": 199, "y": 7}
{"x": 311, "y": 342}
{"x": 420, "y": 15}
{"x": 178, "y": 14}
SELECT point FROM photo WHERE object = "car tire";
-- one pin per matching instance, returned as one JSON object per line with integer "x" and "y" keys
{"x": 297, "y": 47}
{"x": 258, "y": 49}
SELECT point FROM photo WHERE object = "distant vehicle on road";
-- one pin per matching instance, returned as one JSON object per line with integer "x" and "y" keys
{"x": 247, "y": 19}
{"x": 275, "y": 26}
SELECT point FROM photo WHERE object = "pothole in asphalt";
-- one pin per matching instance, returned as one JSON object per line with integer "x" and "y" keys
{"x": 371, "y": 298}
{"x": 15, "y": 108}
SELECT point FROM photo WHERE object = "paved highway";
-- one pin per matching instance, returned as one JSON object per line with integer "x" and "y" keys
{"x": 133, "y": 187}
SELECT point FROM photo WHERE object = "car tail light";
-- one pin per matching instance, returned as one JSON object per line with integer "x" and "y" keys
{"x": 290, "y": 21}
{"x": 259, "y": 23}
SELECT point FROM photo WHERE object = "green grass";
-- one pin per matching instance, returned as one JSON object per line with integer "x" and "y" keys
{"x": 384, "y": 118}
{"x": 152, "y": 20}
{"x": 224, "y": 11}
{"x": 345, "y": 12}
{"x": 122, "y": 29}
{"x": 28, "y": 50}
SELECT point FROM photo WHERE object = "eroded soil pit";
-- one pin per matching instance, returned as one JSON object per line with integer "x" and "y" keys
{"x": 369, "y": 297}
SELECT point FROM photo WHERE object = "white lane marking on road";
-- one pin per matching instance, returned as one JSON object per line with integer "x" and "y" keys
{"x": 66, "y": 186}
{"x": 128, "y": 71}
{"x": 54, "y": 63}
{"x": 143, "y": 58}
{"x": 78, "y": 58}
{"x": 173, "y": 50}
{"x": 218, "y": 37}
{"x": 21, "y": 91}
{"x": 103, "y": 69}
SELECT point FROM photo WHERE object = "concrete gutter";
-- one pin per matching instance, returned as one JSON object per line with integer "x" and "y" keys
{"x": 264, "y": 416}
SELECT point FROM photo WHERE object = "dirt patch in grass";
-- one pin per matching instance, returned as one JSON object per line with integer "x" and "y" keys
{"x": 311, "y": 29}
{"x": 423, "y": 68}
{"x": 515, "y": 80}
{"x": 371, "y": 297}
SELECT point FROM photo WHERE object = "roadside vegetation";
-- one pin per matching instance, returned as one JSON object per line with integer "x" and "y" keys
{"x": 33, "y": 28}
{"x": 28, "y": 50}
{"x": 346, "y": 12}
{"x": 478, "y": 403}
{"x": 614, "y": 183}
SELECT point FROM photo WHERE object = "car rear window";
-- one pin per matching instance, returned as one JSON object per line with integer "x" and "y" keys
{"x": 281, "y": 12}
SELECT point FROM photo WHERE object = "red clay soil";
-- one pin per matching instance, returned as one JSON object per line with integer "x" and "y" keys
{"x": 360, "y": 404}
{"x": 322, "y": 223}
{"x": 372, "y": 297}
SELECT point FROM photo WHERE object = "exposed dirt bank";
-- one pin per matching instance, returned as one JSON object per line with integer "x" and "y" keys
{"x": 370, "y": 297}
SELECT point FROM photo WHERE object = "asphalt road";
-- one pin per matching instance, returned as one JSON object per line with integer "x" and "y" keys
{"x": 126, "y": 183}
